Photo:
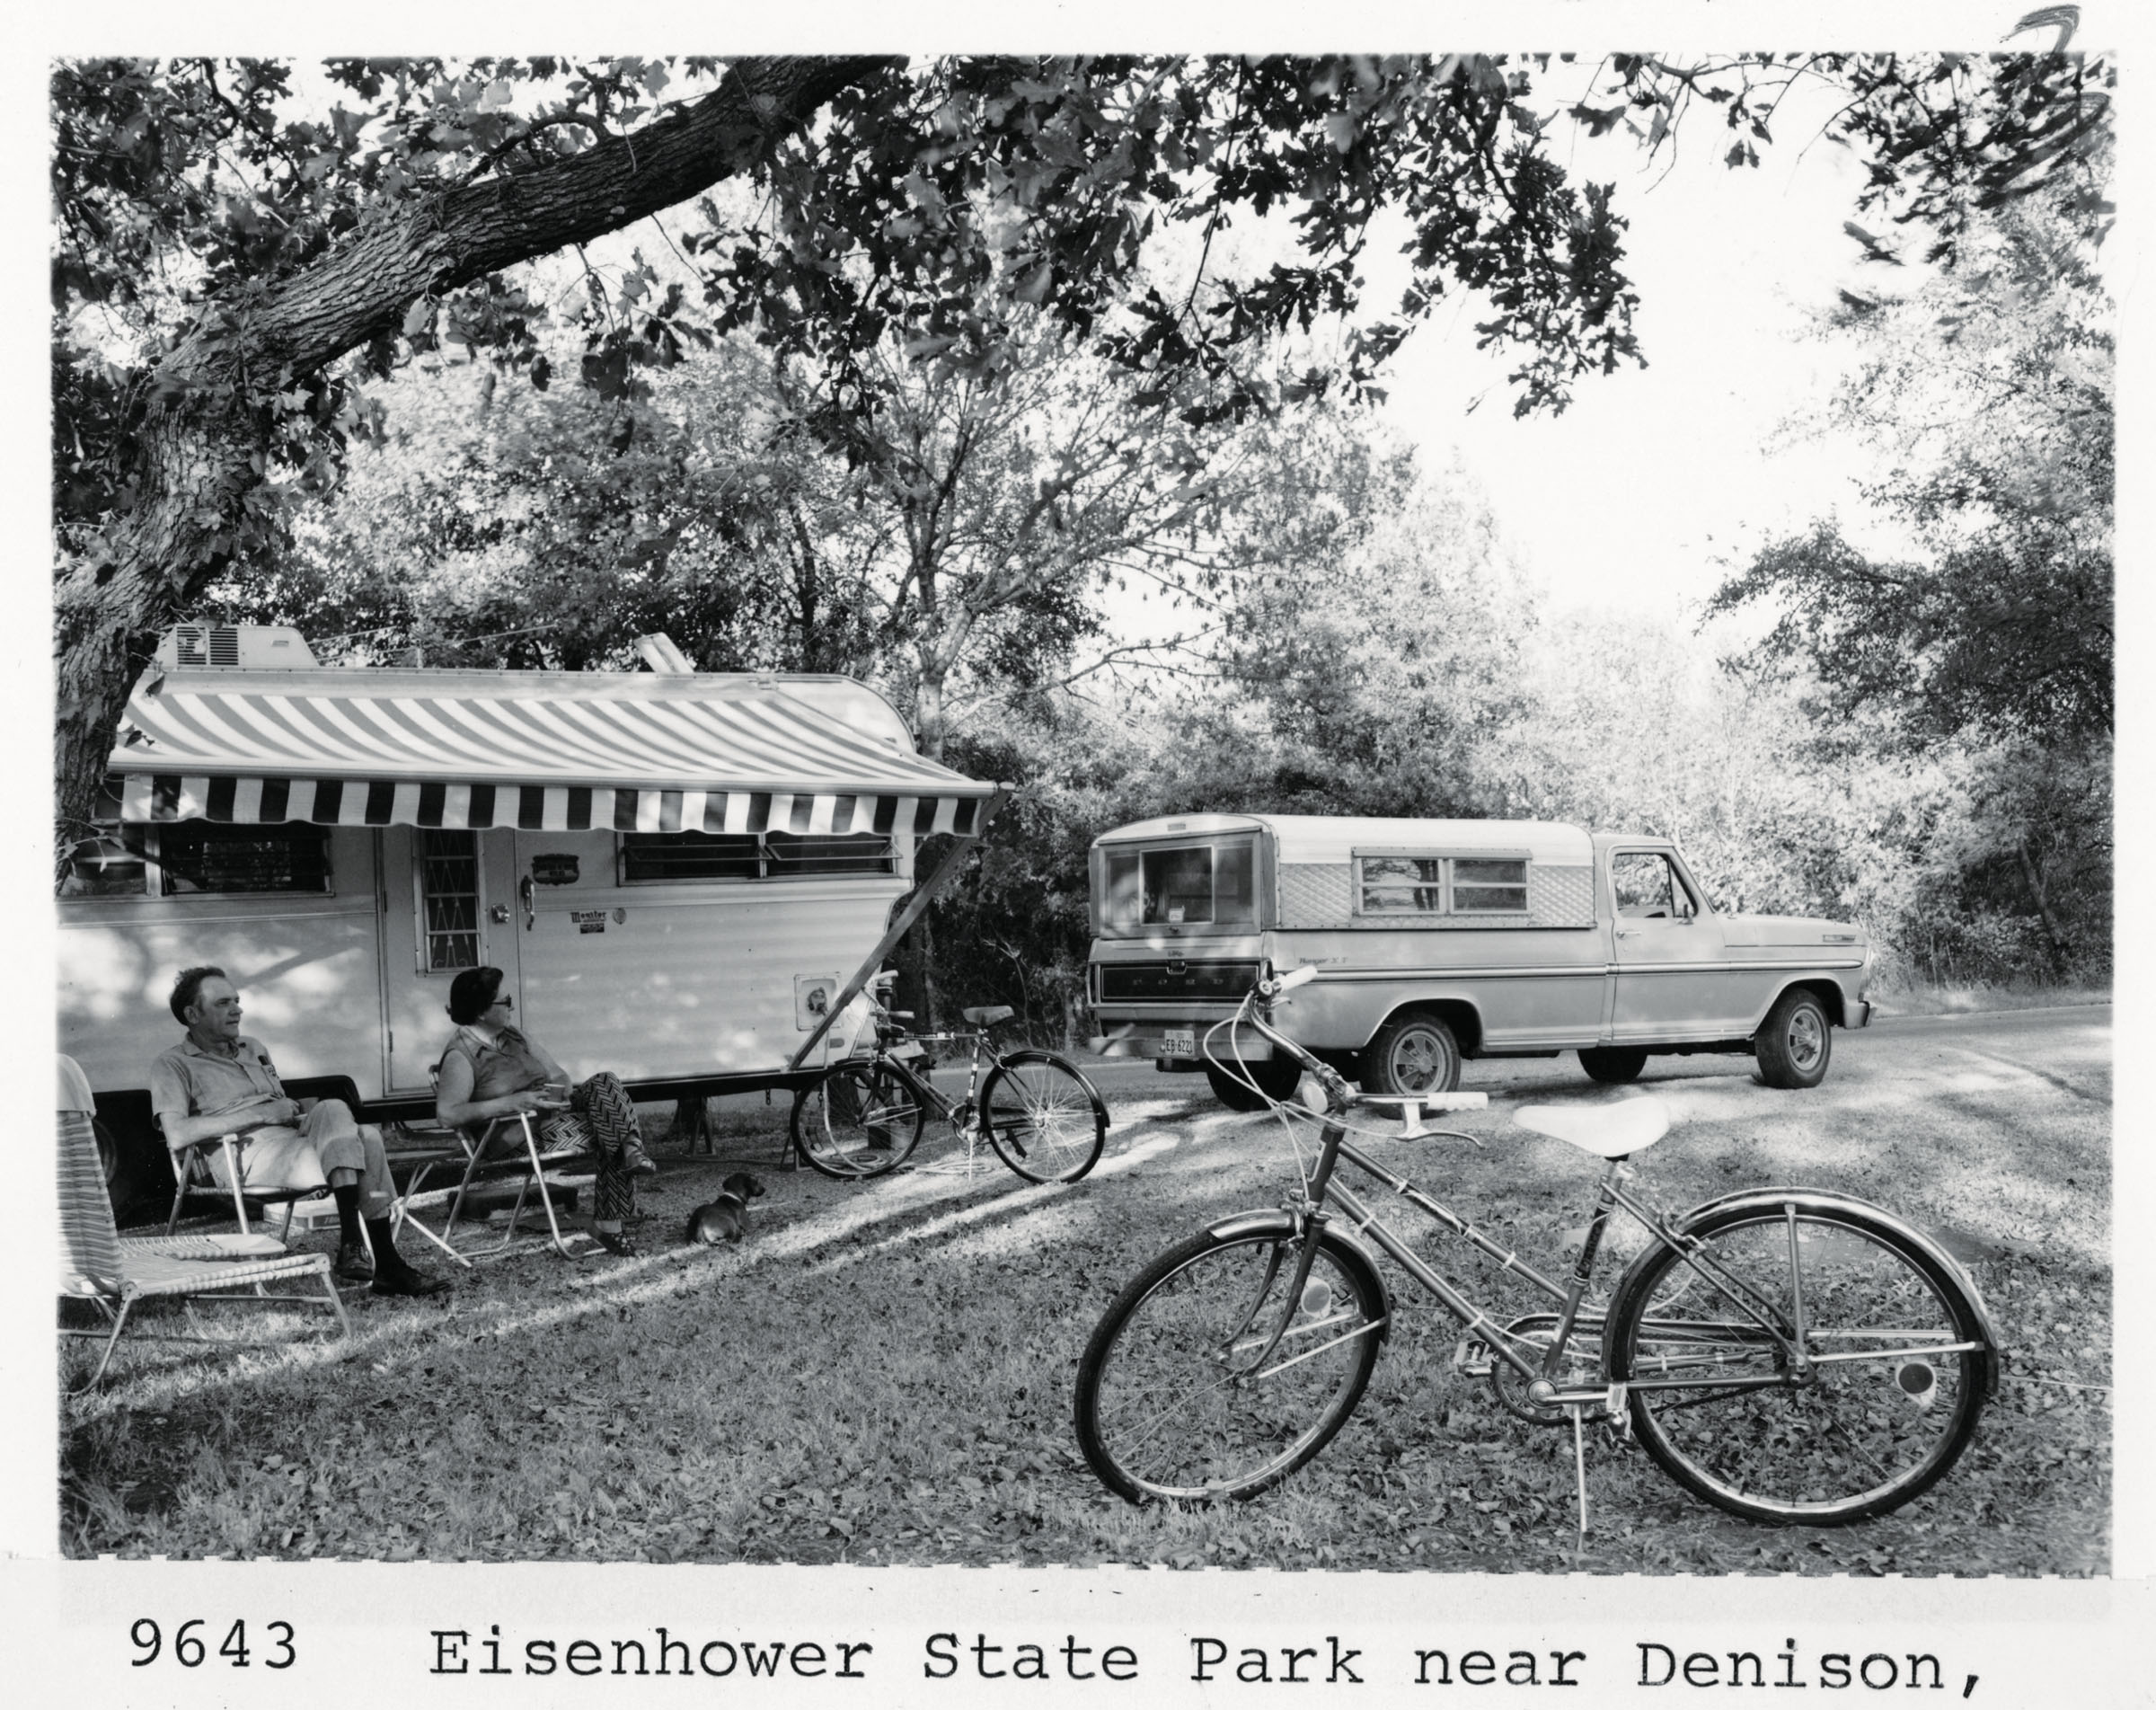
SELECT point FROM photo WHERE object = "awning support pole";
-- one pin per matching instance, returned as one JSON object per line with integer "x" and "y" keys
{"x": 912, "y": 911}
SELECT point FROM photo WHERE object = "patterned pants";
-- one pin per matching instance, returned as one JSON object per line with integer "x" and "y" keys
{"x": 600, "y": 1117}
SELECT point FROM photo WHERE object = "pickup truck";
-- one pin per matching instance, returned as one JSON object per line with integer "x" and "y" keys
{"x": 1440, "y": 939}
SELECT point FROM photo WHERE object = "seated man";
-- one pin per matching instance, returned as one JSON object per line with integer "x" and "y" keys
{"x": 216, "y": 1081}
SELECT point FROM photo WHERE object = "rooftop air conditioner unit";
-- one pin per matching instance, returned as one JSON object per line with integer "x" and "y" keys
{"x": 246, "y": 647}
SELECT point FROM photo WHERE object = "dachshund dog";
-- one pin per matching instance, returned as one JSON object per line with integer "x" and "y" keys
{"x": 726, "y": 1217}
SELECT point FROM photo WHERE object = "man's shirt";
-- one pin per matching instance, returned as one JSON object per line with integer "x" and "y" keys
{"x": 189, "y": 1081}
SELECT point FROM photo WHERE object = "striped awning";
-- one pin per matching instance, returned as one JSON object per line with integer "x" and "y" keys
{"x": 554, "y": 751}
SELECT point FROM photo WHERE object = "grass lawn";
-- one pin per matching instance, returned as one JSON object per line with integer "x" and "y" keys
{"x": 882, "y": 1373}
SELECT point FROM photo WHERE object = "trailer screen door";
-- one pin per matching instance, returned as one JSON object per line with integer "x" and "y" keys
{"x": 445, "y": 907}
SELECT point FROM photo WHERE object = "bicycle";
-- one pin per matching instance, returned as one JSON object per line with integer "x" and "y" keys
{"x": 1791, "y": 1355}
{"x": 864, "y": 1116}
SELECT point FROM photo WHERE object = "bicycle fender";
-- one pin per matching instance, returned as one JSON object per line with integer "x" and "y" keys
{"x": 1822, "y": 1199}
{"x": 1282, "y": 1223}
{"x": 1033, "y": 1054}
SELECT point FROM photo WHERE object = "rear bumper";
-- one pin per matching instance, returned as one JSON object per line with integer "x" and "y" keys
{"x": 1184, "y": 1041}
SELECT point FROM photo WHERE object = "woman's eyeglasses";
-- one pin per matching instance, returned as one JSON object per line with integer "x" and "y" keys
{"x": 503, "y": 1002}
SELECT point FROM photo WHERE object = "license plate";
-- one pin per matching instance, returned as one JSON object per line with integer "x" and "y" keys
{"x": 1179, "y": 1041}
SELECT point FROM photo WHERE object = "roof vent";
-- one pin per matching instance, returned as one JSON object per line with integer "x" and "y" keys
{"x": 247, "y": 647}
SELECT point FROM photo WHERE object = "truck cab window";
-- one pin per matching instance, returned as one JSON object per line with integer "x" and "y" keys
{"x": 1647, "y": 888}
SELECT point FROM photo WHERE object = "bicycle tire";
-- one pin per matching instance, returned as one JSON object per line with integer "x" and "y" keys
{"x": 1863, "y": 1435}
{"x": 860, "y": 1120}
{"x": 1156, "y": 1420}
{"x": 1042, "y": 1116}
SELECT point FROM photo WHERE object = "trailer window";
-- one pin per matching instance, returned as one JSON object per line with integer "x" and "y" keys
{"x": 648, "y": 856}
{"x": 680, "y": 856}
{"x": 449, "y": 900}
{"x": 115, "y": 863}
{"x": 786, "y": 854}
{"x": 195, "y": 855}
{"x": 1417, "y": 884}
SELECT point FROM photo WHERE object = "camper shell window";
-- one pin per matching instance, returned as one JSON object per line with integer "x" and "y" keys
{"x": 1202, "y": 884}
{"x": 678, "y": 857}
{"x": 1393, "y": 882}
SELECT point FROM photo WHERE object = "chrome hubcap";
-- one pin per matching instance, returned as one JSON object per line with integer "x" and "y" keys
{"x": 1806, "y": 1038}
{"x": 1418, "y": 1061}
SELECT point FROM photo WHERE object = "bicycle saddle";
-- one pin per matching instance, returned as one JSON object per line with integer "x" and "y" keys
{"x": 1607, "y": 1130}
{"x": 988, "y": 1015}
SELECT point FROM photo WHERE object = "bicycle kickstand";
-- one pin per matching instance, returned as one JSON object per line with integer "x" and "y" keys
{"x": 1579, "y": 1467}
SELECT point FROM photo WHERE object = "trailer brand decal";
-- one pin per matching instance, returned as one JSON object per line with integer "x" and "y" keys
{"x": 589, "y": 919}
{"x": 554, "y": 870}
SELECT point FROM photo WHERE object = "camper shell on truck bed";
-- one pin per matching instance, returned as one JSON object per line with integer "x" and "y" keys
{"x": 684, "y": 876}
{"x": 1437, "y": 940}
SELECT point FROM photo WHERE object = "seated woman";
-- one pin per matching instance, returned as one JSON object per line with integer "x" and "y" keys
{"x": 490, "y": 1069}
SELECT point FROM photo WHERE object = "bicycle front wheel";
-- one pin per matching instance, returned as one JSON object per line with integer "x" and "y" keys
{"x": 1043, "y": 1116}
{"x": 860, "y": 1120}
{"x": 1886, "y": 1397}
{"x": 1205, "y": 1381}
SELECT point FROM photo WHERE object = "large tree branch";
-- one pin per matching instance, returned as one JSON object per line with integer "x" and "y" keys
{"x": 200, "y": 462}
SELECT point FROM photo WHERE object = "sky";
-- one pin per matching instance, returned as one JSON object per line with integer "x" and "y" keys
{"x": 1644, "y": 494}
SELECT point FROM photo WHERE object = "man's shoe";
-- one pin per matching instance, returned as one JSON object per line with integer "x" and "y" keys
{"x": 352, "y": 1263}
{"x": 616, "y": 1241}
{"x": 405, "y": 1280}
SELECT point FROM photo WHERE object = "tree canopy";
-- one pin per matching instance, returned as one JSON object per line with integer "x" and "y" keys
{"x": 241, "y": 246}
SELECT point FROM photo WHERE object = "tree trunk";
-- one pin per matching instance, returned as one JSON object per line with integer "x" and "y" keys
{"x": 199, "y": 463}
{"x": 2060, "y": 959}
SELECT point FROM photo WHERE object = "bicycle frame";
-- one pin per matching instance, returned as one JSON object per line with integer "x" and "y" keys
{"x": 1543, "y": 1388}
{"x": 958, "y": 1112}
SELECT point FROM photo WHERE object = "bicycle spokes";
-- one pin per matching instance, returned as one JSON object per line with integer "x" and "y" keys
{"x": 1859, "y": 1397}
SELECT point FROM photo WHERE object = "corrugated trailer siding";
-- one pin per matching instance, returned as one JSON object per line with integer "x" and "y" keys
{"x": 690, "y": 982}
{"x": 309, "y": 978}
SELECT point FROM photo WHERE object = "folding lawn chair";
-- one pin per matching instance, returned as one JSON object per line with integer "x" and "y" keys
{"x": 540, "y": 1167}
{"x": 98, "y": 1265}
{"x": 194, "y": 1178}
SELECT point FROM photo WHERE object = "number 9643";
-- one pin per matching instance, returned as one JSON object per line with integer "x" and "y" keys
{"x": 190, "y": 1646}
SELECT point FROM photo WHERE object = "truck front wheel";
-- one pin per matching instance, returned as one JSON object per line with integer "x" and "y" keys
{"x": 1412, "y": 1053}
{"x": 1796, "y": 1042}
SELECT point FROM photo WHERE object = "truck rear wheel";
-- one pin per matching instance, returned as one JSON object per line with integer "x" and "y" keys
{"x": 1412, "y": 1053}
{"x": 1276, "y": 1079}
{"x": 1614, "y": 1064}
{"x": 1796, "y": 1042}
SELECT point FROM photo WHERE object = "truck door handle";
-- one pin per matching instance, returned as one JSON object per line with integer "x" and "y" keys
{"x": 524, "y": 891}
{"x": 1629, "y": 931}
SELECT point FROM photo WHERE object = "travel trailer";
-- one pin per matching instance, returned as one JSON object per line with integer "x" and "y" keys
{"x": 1437, "y": 940}
{"x": 686, "y": 877}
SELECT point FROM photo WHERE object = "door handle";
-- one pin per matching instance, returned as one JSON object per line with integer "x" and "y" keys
{"x": 500, "y": 914}
{"x": 1629, "y": 931}
{"x": 525, "y": 892}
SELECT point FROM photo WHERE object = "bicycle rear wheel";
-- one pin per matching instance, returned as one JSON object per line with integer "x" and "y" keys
{"x": 1043, "y": 1116}
{"x": 1894, "y": 1348}
{"x": 1205, "y": 1381}
{"x": 860, "y": 1120}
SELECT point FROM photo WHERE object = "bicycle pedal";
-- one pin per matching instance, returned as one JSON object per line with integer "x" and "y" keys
{"x": 1473, "y": 1357}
